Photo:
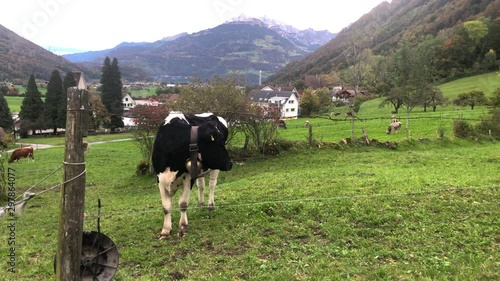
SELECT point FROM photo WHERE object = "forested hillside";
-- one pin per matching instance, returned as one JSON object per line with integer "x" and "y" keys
{"x": 460, "y": 49}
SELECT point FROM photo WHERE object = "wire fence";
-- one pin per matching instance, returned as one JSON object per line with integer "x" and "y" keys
{"x": 144, "y": 209}
{"x": 250, "y": 205}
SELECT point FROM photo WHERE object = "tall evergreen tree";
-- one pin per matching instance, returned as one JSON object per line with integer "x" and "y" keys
{"x": 111, "y": 89}
{"x": 52, "y": 101}
{"x": 31, "y": 108}
{"x": 6, "y": 121}
{"x": 69, "y": 81}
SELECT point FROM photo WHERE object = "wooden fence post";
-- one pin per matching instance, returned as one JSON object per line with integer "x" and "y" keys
{"x": 69, "y": 246}
{"x": 310, "y": 137}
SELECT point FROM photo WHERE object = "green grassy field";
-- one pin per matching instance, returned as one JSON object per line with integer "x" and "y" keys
{"x": 144, "y": 93}
{"x": 487, "y": 83}
{"x": 14, "y": 103}
{"x": 427, "y": 210}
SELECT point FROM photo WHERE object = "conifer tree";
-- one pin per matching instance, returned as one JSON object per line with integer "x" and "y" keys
{"x": 6, "y": 121}
{"x": 31, "y": 108}
{"x": 111, "y": 89}
{"x": 68, "y": 82}
{"x": 52, "y": 101}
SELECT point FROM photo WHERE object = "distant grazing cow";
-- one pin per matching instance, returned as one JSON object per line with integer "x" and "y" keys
{"x": 187, "y": 147}
{"x": 350, "y": 114}
{"x": 394, "y": 127}
{"x": 281, "y": 124}
{"x": 24, "y": 152}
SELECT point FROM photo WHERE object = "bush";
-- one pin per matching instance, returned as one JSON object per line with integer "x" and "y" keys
{"x": 462, "y": 129}
{"x": 490, "y": 126}
{"x": 142, "y": 168}
{"x": 440, "y": 132}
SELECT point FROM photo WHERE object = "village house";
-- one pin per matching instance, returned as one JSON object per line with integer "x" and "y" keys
{"x": 127, "y": 102}
{"x": 284, "y": 100}
{"x": 344, "y": 94}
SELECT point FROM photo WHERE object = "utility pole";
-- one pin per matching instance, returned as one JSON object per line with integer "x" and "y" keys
{"x": 69, "y": 244}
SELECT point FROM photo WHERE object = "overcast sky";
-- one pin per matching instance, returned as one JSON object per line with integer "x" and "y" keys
{"x": 102, "y": 24}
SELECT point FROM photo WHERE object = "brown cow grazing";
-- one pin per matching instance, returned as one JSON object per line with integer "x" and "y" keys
{"x": 394, "y": 127}
{"x": 23, "y": 152}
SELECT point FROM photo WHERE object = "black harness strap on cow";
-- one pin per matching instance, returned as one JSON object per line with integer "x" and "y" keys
{"x": 193, "y": 154}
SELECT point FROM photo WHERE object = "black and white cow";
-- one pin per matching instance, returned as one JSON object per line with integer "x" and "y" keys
{"x": 184, "y": 142}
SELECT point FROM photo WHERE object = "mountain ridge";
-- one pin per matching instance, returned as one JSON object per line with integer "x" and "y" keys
{"x": 382, "y": 28}
{"x": 244, "y": 47}
{"x": 20, "y": 58}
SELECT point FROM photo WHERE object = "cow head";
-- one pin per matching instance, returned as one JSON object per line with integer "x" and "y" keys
{"x": 212, "y": 137}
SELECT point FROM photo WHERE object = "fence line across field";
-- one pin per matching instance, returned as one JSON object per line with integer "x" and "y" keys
{"x": 127, "y": 211}
{"x": 136, "y": 213}
{"x": 131, "y": 212}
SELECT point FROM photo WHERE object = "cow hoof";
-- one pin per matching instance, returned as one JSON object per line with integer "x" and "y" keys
{"x": 182, "y": 231}
{"x": 162, "y": 236}
{"x": 211, "y": 207}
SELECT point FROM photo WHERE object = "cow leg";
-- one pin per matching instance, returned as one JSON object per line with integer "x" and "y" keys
{"x": 200, "y": 182}
{"x": 167, "y": 191}
{"x": 213, "y": 182}
{"x": 183, "y": 205}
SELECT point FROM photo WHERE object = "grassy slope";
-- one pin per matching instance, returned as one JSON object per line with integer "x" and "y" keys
{"x": 426, "y": 211}
{"x": 487, "y": 83}
{"x": 421, "y": 124}
{"x": 314, "y": 214}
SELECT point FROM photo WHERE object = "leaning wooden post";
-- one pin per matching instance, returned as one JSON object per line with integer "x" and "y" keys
{"x": 353, "y": 136}
{"x": 69, "y": 246}
{"x": 365, "y": 136}
{"x": 310, "y": 138}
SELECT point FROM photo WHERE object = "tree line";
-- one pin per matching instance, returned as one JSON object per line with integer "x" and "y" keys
{"x": 36, "y": 114}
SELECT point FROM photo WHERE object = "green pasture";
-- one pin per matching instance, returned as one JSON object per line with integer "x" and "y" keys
{"x": 375, "y": 120}
{"x": 144, "y": 93}
{"x": 427, "y": 210}
{"x": 14, "y": 103}
{"x": 487, "y": 83}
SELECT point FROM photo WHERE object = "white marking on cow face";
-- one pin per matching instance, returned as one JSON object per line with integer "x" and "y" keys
{"x": 173, "y": 115}
{"x": 223, "y": 121}
{"x": 206, "y": 114}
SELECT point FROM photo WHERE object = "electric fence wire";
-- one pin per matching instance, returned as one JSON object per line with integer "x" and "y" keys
{"x": 141, "y": 212}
